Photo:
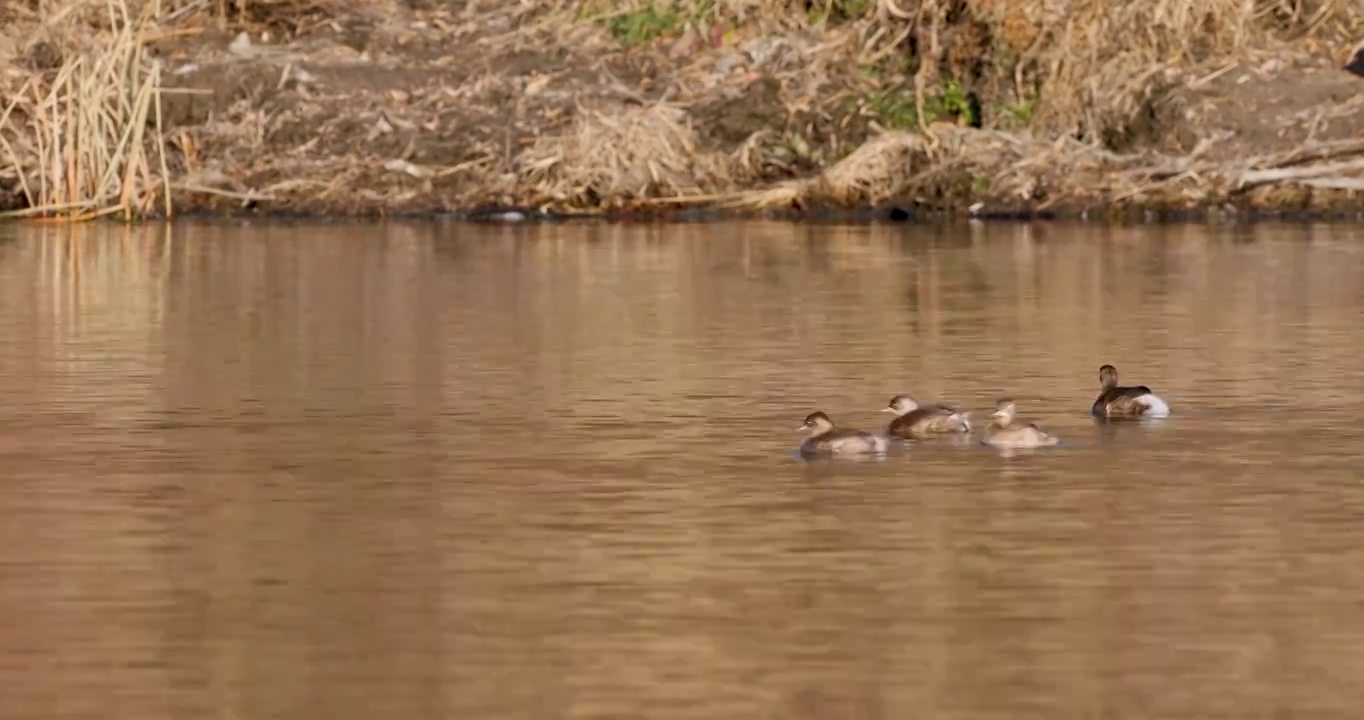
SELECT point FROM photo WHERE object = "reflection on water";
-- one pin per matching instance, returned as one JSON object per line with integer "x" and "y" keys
{"x": 428, "y": 472}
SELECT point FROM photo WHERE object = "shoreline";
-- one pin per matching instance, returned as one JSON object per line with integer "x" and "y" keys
{"x": 682, "y": 111}
{"x": 881, "y": 215}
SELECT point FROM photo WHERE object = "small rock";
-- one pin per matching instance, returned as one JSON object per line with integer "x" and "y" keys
{"x": 536, "y": 85}
{"x": 404, "y": 166}
{"x": 241, "y": 45}
{"x": 728, "y": 62}
{"x": 761, "y": 49}
{"x": 381, "y": 127}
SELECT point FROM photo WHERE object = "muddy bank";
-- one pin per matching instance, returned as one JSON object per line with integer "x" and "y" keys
{"x": 918, "y": 110}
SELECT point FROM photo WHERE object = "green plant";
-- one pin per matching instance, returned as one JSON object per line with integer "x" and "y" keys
{"x": 1019, "y": 113}
{"x": 643, "y": 25}
{"x": 835, "y": 11}
{"x": 894, "y": 108}
{"x": 953, "y": 101}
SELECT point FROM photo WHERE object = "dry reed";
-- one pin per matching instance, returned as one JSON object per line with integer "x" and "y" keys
{"x": 1081, "y": 83}
{"x": 1092, "y": 66}
{"x": 77, "y": 138}
{"x": 1087, "y": 67}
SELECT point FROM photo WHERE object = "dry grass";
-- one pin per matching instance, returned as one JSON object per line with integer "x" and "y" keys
{"x": 77, "y": 138}
{"x": 1092, "y": 65}
{"x": 1089, "y": 77}
{"x": 881, "y": 169}
{"x": 1069, "y": 91}
{"x": 624, "y": 156}
{"x": 1016, "y": 173}
{"x": 1084, "y": 67}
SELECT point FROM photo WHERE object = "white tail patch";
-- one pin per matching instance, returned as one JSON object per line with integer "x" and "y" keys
{"x": 1155, "y": 407}
{"x": 862, "y": 443}
{"x": 965, "y": 419}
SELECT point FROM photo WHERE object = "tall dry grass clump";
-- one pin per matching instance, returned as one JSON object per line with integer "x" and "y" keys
{"x": 631, "y": 153}
{"x": 83, "y": 139}
{"x": 1093, "y": 65}
{"x": 1093, "y": 70}
{"x": 1083, "y": 80}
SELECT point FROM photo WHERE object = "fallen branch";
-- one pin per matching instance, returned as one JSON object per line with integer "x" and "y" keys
{"x": 1252, "y": 178}
{"x": 244, "y": 197}
{"x": 1335, "y": 183}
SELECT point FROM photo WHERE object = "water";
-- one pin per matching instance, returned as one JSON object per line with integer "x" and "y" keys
{"x": 293, "y": 471}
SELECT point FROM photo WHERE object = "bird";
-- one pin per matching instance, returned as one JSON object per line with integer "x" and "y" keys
{"x": 1115, "y": 401}
{"x": 915, "y": 421}
{"x": 1003, "y": 432}
{"x": 829, "y": 440}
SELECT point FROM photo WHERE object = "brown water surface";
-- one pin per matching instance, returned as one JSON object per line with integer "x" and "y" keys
{"x": 363, "y": 472}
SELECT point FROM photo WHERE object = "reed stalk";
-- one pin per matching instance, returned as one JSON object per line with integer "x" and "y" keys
{"x": 77, "y": 138}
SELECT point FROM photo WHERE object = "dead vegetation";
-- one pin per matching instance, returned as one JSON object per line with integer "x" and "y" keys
{"x": 134, "y": 107}
{"x": 622, "y": 157}
{"x": 85, "y": 139}
{"x": 988, "y": 171}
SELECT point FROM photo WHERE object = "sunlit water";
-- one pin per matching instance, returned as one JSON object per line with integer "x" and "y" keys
{"x": 410, "y": 472}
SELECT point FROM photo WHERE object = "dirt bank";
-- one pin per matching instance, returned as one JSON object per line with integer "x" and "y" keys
{"x": 350, "y": 107}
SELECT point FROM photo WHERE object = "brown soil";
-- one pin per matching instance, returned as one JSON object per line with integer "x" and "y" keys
{"x": 1278, "y": 102}
{"x": 436, "y": 107}
{"x": 403, "y": 115}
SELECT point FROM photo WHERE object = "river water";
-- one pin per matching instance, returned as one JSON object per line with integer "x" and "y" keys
{"x": 421, "y": 471}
